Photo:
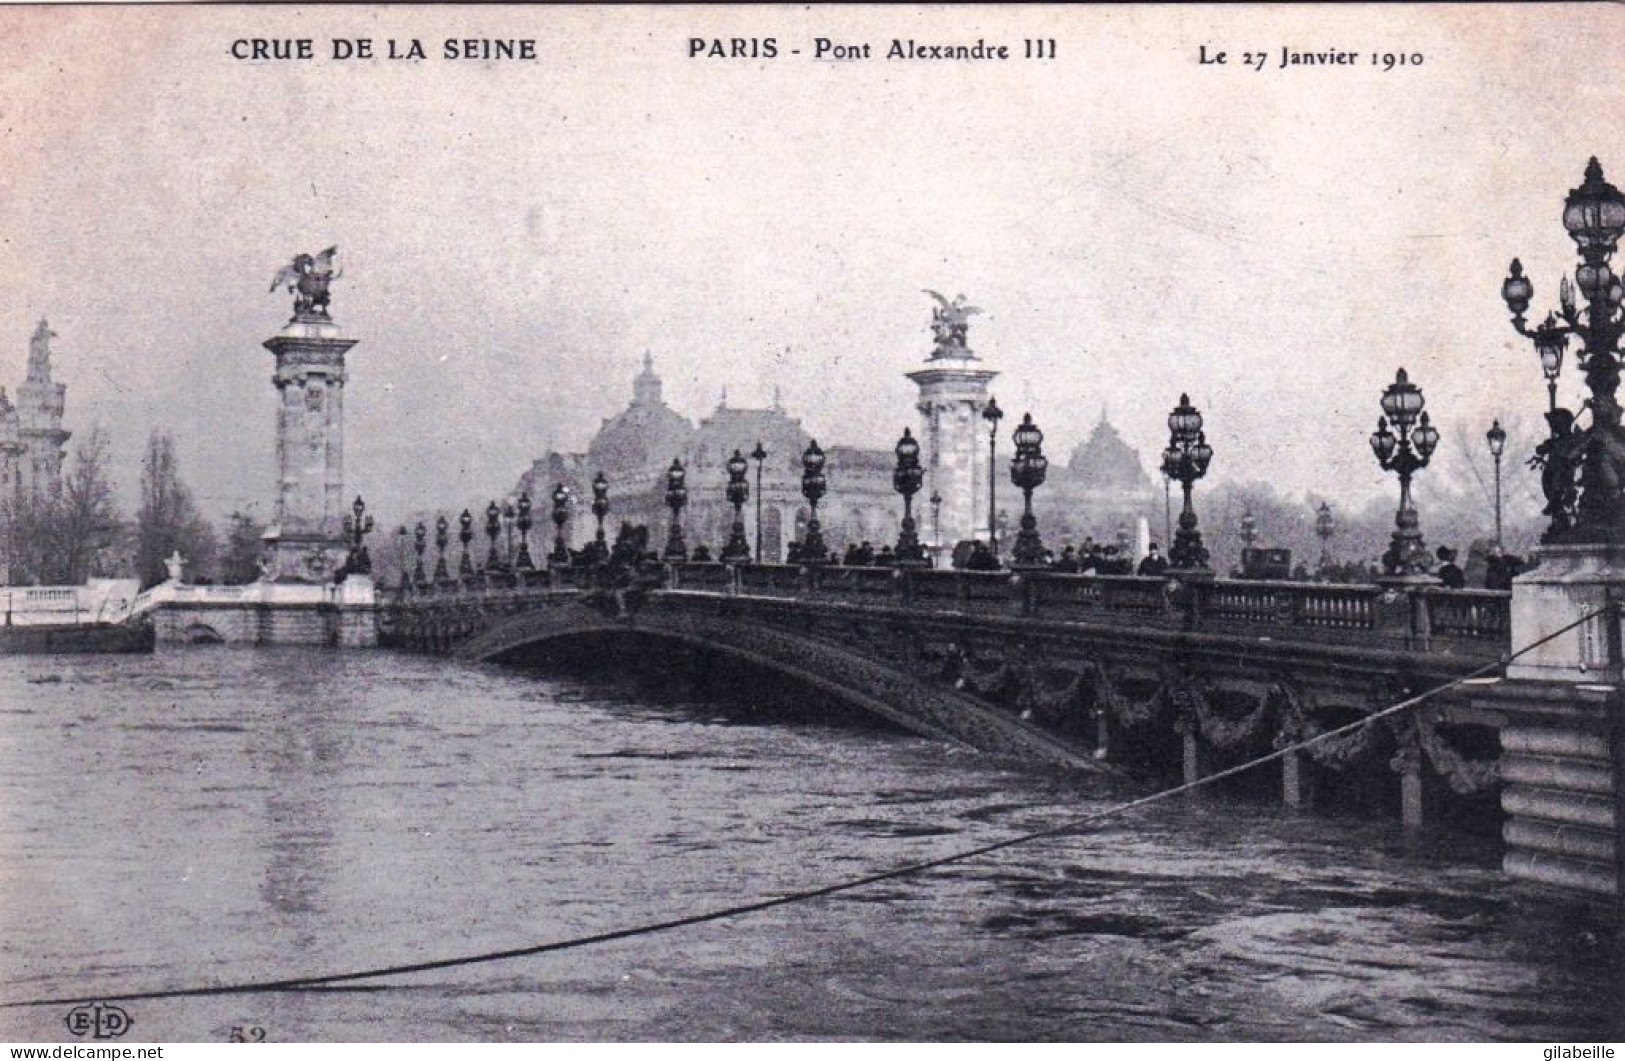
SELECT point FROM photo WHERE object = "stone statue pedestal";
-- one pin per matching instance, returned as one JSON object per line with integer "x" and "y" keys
{"x": 1571, "y": 582}
{"x": 953, "y": 446}
{"x": 306, "y": 540}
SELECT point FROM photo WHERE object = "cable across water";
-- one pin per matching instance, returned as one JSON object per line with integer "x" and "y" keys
{"x": 1071, "y": 825}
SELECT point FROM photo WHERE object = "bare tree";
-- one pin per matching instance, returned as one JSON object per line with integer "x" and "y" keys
{"x": 168, "y": 521}
{"x": 62, "y": 537}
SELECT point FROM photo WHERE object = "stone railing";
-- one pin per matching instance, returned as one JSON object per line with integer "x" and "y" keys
{"x": 100, "y": 601}
{"x": 1416, "y": 617}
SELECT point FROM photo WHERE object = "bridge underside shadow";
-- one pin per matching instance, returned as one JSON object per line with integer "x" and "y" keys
{"x": 836, "y": 670}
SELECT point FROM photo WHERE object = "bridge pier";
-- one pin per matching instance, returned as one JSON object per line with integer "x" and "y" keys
{"x": 1297, "y": 783}
{"x": 1410, "y": 796}
{"x": 1195, "y": 757}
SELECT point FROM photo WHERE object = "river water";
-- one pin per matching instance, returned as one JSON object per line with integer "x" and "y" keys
{"x": 221, "y": 815}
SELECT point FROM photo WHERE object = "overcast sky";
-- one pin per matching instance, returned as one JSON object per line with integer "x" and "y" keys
{"x": 515, "y": 235}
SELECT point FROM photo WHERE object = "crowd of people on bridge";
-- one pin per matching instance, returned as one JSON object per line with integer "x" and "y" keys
{"x": 632, "y": 550}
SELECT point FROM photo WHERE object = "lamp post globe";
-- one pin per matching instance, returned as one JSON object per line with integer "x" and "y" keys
{"x": 1404, "y": 448}
{"x": 1028, "y": 469}
{"x": 600, "y": 509}
{"x": 676, "y": 499}
{"x": 493, "y": 530}
{"x": 442, "y": 538}
{"x": 1186, "y": 460}
{"x": 813, "y": 486}
{"x": 992, "y": 414}
{"x": 465, "y": 534}
{"x": 401, "y": 555}
{"x": 737, "y": 549}
{"x": 1582, "y": 467}
{"x": 907, "y": 478}
{"x": 560, "y": 556}
{"x": 1325, "y": 527}
{"x": 1497, "y": 439}
{"x": 524, "y": 507}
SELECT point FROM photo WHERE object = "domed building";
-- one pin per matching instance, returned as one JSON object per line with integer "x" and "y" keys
{"x": 1105, "y": 463}
{"x": 644, "y": 435}
{"x": 1103, "y": 491}
{"x": 634, "y": 450}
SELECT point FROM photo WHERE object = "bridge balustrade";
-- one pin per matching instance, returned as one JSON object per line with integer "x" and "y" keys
{"x": 1424, "y": 618}
{"x": 771, "y": 580}
{"x": 1467, "y": 614}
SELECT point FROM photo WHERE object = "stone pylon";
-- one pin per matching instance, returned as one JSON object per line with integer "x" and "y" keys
{"x": 306, "y": 541}
{"x": 953, "y": 437}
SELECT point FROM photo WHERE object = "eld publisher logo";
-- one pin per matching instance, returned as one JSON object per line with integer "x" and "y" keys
{"x": 98, "y": 1020}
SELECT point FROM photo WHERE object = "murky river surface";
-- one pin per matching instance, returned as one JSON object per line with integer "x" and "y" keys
{"x": 223, "y": 815}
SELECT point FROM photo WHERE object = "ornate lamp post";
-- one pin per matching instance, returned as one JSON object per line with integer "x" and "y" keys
{"x": 1404, "y": 451}
{"x": 560, "y": 557}
{"x": 737, "y": 550}
{"x": 357, "y": 526}
{"x": 1325, "y": 526}
{"x": 1497, "y": 439}
{"x": 676, "y": 498}
{"x": 465, "y": 534}
{"x": 1594, "y": 215}
{"x": 401, "y": 554}
{"x": 493, "y": 529}
{"x": 759, "y": 455}
{"x": 992, "y": 414}
{"x": 600, "y": 509}
{"x": 906, "y": 479}
{"x": 420, "y": 541}
{"x": 441, "y": 539}
{"x": 813, "y": 485}
{"x": 1027, "y": 470}
{"x": 1186, "y": 460}
{"x": 509, "y": 514}
{"x": 524, "y": 562}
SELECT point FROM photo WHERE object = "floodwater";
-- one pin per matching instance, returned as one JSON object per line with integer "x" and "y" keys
{"x": 222, "y": 815}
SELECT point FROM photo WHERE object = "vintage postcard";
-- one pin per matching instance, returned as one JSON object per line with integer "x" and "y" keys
{"x": 768, "y": 522}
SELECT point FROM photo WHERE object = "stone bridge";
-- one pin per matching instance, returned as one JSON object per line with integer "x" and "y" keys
{"x": 1066, "y": 669}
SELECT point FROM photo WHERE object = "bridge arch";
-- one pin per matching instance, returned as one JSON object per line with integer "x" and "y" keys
{"x": 879, "y": 686}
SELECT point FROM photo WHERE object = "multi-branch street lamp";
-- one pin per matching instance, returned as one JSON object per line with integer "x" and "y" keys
{"x": 560, "y": 556}
{"x": 758, "y": 455}
{"x": 1497, "y": 438}
{"x": 442, "y": 538}
{"x": 906, "y": 479}
{"x": 992, "y": 414}
{"x": 508, "y": 516}
{"x": 493, "y": 530}
{"x": 676, "y": 499}
{"x": 1404, "y": 450}
{"x": 524, "y": 523}
{"x": 420, "y": 541}
{"x": 1594, "y": 215}
{"x": 600, "y": 509}
{"x": 1027, "y": 470}
{"x": 737, "y": 549}
{"x": 813, "y": 485}
{"x": 1186, "y": 460}
{"x": 358, "y": 525}
{"x": 1325, "y": 526}
{"x": 1248, "y": 528}
{"x": 465, "y": 534}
